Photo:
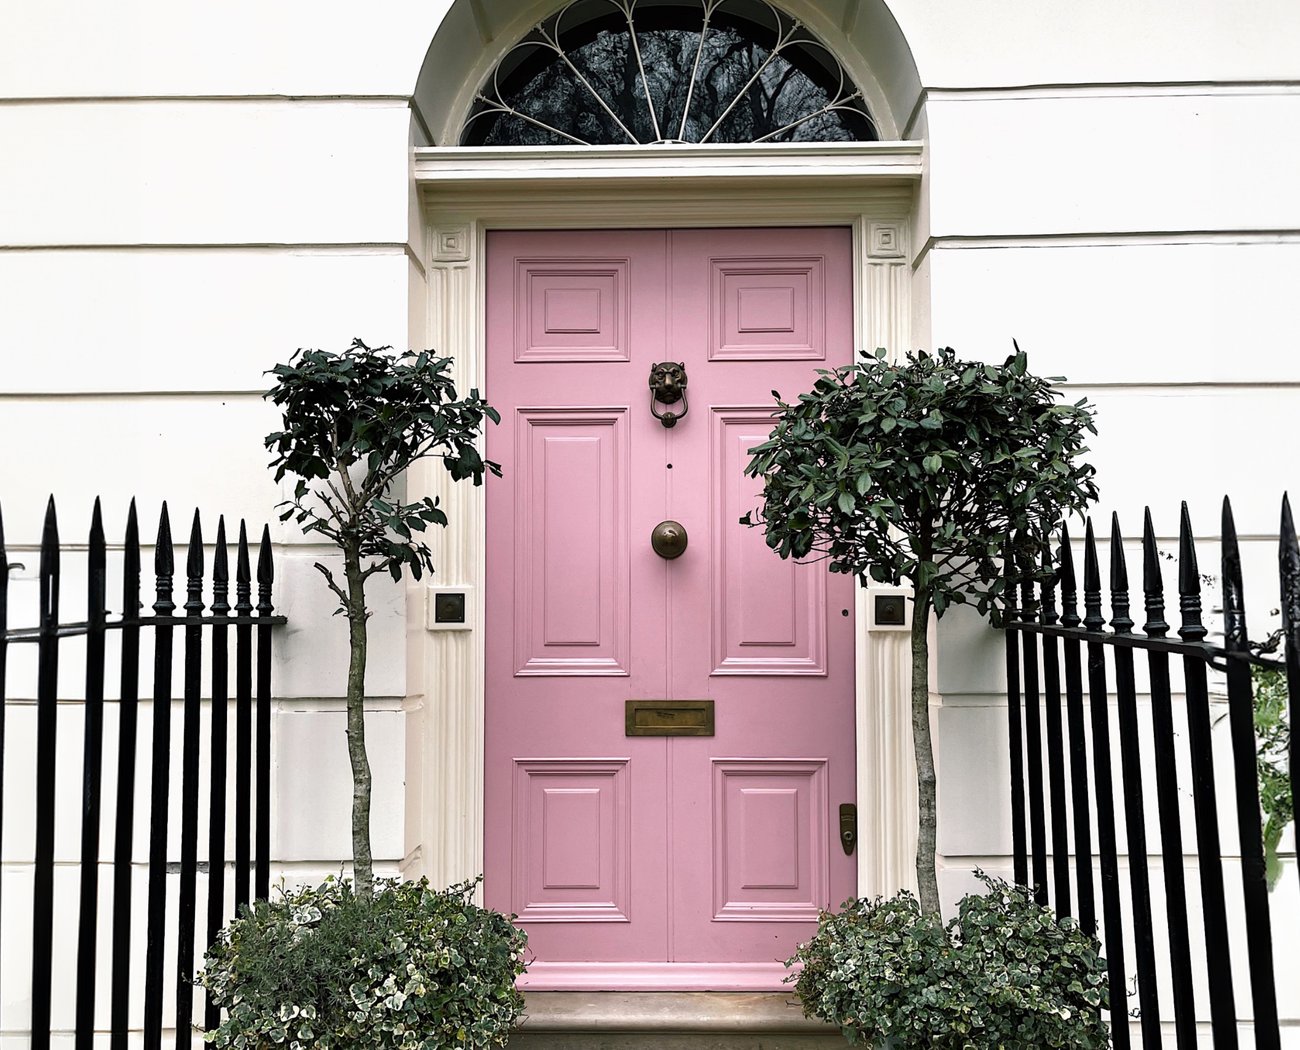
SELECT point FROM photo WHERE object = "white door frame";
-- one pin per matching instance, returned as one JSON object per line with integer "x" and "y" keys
{"x": 463, "y": 193}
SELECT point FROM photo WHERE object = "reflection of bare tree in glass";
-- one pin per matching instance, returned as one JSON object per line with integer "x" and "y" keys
{"x": 737, "y": 81}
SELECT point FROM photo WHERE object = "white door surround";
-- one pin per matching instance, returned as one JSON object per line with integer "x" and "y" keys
{"x": 869, "y": 187}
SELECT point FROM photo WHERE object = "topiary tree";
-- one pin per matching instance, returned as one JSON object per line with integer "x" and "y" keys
{"x": 353, "y": 422}
{"x": 916, "y": 471}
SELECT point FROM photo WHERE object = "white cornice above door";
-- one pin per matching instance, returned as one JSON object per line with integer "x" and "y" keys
{"x": 821, "y": 162}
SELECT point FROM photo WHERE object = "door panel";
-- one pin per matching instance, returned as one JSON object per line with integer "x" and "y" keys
{"x": 572, "y": 588}
{"x": 770, "y": 844}
{"x": 573, "y": 836}
{"x": 714, "y": 851}
{"x": 769, "y": 615}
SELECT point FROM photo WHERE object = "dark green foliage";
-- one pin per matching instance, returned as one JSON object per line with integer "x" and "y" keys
{"x": 406, "y": 968}
{"x": 917, "y": 470}
{"x": 352, "y": 423}
{"x": 1273, "y": 733}
{"x": 1006, "y": 974}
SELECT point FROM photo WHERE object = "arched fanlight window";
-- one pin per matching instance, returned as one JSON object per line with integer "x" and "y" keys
{"x": 610, "y": 72}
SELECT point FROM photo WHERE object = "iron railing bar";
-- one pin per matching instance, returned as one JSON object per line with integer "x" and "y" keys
{"x": 243, "y": 720}
{"x": 1205, "y": 651}
{"x": 78, "y": 628}
{"x": 1130, "y": 756}
{"x": 1055, "y": 744}
{"x": 1167, "y": 802}
{"x": 1241, "y": 724}
{"x": 219, "y": 757}
{"x": 1078, "y": 741}
{"x": 186, "y": 909}
{"x": 1015, "y": 733}
{"x": 265, "y": 580}
{"x": 1214, "y": 914}
{"x": 124, "y": 833}
{"x": 1107, "y": 846}
{"x": 47, "y": 692}
{"x": 1289, "y": 583}
{"x": 160, "y": 780}
{"x": 227, "y": 621}
{"x": 1033, "y": 739}
{"x": 92, "y": 772}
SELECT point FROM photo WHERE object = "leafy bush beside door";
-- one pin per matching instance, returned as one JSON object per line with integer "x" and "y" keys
{"x": 1006, "y": 974}
{"x": 326, "y": 968}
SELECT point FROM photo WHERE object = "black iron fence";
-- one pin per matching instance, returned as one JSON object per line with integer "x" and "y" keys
{"x": 1055, "y": 655}
{"x": 251, "y": 768}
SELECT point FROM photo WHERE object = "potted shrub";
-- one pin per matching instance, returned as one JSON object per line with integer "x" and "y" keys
{"x": 405, "y": 967}
{"x": 395, "y": 964}
{"x": 1005, "y": 974}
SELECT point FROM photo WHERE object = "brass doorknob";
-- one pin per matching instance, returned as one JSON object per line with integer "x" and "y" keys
{"x": 668, "y": 539}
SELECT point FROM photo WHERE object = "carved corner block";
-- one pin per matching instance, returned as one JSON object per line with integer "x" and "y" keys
{"x": 451, "y": 244}
{"x": 886, "y": 240}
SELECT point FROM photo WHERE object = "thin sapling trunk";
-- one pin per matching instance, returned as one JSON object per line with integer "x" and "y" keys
{"x": 362, "y": 861}
{"x": 927, "y": 817}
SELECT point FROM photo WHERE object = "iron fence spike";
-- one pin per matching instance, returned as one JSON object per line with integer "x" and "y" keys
{"x": 163, "y": 565}
{"x": 1153, "y": 584}
{"x": 1234, "y": 604}
{"x": 1069, "y": 585}
{"x": 1120, "y": 620}
{"x": 1191, "y": 628}
{"x": 265, "y": 574}
{"x": 194, "y": 569}
{"x": 1093, "y": 619}
{"x": 221, "y": 571}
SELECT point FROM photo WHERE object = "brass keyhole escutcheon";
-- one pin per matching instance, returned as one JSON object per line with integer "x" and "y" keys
{"x": 669, "y": 539}
{"x": 848, "y": 826}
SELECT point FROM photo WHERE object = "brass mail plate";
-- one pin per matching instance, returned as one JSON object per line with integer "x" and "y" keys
{"x": 669, "y": 718}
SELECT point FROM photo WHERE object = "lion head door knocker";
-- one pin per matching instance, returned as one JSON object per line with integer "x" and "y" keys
{"x": 668, "y": 386}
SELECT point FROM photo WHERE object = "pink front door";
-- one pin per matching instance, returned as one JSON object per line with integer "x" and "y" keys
{"x": 659, "y": 861}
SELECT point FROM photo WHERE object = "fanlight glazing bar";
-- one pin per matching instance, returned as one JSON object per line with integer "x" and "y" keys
{"x": 576, "y": 77}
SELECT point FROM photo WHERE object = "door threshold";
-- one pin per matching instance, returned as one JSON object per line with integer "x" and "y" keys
{"x": 765, "y": 1013}
{"x": 616, "y": 977}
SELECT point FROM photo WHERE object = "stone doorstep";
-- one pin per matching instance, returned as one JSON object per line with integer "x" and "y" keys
{"x": 669, "y": 1021}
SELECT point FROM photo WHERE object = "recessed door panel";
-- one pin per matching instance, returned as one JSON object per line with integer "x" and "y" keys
{"x": 767, "y": 308}
{"x": 572, "y": 827}
{"x": 571, "y": 542}
{"x": 572, "y": 309}
{"x": 769, "y": 615}
{"x": 771, "y": 860}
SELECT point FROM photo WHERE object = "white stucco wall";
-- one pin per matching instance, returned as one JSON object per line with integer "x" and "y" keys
{"x": 190, "y": 195}
{"x": 1119, "y": 206}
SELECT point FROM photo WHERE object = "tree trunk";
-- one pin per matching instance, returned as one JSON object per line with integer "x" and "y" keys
{"x": 927, "y": 819}
{"x": 362, "y": 863}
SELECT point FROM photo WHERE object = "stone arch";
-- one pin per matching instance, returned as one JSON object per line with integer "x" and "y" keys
{"x": 474, "y": 34}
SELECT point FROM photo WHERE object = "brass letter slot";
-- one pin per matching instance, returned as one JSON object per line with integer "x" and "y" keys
{"x": 669, "y": 718}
